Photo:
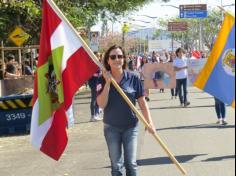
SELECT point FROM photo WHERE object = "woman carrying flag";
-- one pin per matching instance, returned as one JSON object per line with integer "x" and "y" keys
{"x": 120, "y": 122}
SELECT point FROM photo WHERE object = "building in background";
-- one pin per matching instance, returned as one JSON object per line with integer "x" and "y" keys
{"x": 144, "y": 34}
{"x": 157, "y": 40}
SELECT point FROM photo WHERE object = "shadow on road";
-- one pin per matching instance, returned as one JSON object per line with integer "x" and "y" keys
{"x": 166, "y": 99}
{"x": 105, "y": 167}
{"x": 202, "y": 126}
{"x": 202, "y": 98}
{"x": 166, "y": 160}
{"x": 220, "y": 158}
{"x": 84, "y": 122}
{"x": 80, "y": 103}
{"x": 193, "y": 92}
{"x": 178, "y": 107}
{"x": 80, "y": 97}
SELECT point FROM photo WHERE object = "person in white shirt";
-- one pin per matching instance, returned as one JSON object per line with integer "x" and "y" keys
{"x": 181, "y": 68}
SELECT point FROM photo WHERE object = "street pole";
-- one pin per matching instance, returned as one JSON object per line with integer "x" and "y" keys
{"x": 222, "y": 13}
{"x": 123, "y": 39}
{"x": 112, "y": 28}
{"x": 2, "y": 62}
{"x": 172, "y": 41}
{"x": 200, "y": 36}
{"x": 136, "y": 44}
{"x": 140, "y": 41}
{"x": 144, "y": 46}
{"x": 125, "y": 30}
{"x": 200, "y": 31}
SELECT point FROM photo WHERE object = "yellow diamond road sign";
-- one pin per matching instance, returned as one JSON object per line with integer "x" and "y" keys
{"x": 19, "y": 36}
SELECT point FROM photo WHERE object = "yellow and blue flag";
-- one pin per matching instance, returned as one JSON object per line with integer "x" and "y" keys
{"x": 218, "y": 76}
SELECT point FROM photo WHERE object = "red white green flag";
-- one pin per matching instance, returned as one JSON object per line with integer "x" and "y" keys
{"x": 63, "y": 67}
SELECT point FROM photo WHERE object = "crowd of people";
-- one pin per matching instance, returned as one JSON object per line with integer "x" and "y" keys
{"x": 120, "y": 123}
{"x": 12, "y": 69}
{"x": 178, "y": 58}
{"x": 179, "y": 61}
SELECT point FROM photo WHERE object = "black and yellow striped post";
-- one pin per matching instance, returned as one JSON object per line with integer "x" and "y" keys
{"x": 16, "y": 103}
{"x": 15, "y": 114}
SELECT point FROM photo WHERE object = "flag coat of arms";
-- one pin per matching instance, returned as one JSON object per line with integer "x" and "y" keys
{"x": 64, "y": 66}
{"x": 218, "y": 76}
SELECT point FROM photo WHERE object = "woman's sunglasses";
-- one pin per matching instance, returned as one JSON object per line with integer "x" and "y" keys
{"x": 113, "y": 57}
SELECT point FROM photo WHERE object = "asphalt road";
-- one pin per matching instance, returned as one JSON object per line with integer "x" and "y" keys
{"x": 202, "y": 147}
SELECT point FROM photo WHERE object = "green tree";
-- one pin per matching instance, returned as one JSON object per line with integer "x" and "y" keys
{"x": 157, "y": 33}
{"x": 116, "y": 38}
{"x": 189, "y": 38}
{"x": 19, "y": 13}
{"x": 27, "y": 13}
{"x": 211, "y": 26}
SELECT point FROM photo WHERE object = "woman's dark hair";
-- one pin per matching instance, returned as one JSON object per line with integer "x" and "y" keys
{"x": 27, "y": 62}
{"x": 107, "y": 55}
{"x": 10, "y": 57}
{"x": 10, "y": 68}
{"x": 178, "y": 51}
{"x": 144, "y": 61}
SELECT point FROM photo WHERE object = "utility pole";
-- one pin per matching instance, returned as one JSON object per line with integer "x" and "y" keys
{"x": 172, "y": 41}
{"x": 140, "y": 41}
{"x": 200, "y": 35}
{"x": 222, "y": 13}
{"x": 125, "y": 30}
{"x": 200, "y": 31}
{"x": 123, "y": 39}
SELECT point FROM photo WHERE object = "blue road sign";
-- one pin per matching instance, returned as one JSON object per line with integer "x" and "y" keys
{"x": 193, "y": 14}
{"x": 193, "y": 11}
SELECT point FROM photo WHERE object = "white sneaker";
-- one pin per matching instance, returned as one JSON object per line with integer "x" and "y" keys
{"x": 97, "y": 118}
{"x": 224, "y": 122}
{"x": 100, "y": 111}
{"x": 92, "y": 119}
{"x": 219, "y": 121}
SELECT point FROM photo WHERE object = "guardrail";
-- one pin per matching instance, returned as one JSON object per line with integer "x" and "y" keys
{"x": 20, "y": 53}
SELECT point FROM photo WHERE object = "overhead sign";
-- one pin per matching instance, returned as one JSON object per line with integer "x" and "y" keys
{"x": 193, "y": 11}
{"x": 19, "y": 36}
{"x": 177, "y": 26}
{"x": 160, "y": 45}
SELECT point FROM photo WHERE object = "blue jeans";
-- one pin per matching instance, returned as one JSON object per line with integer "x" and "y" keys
{"x": 174, "y": 92}
{"x": 94, "y": 108}
{"x": 116, "y": 138}
{"x": 220, "y": 109}
{"x": 182, "y": 90}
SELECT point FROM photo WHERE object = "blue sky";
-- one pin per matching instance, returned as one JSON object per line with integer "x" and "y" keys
{"x": 155, "y": 9}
